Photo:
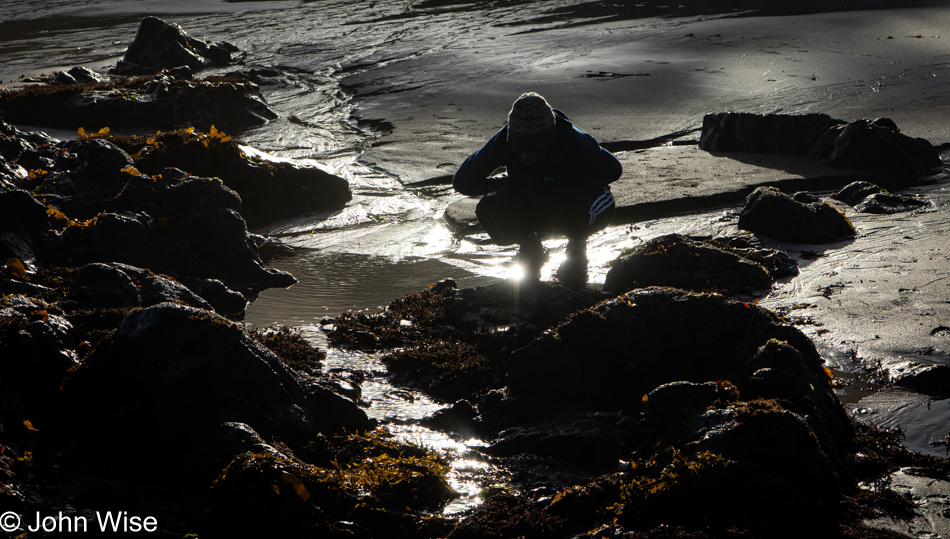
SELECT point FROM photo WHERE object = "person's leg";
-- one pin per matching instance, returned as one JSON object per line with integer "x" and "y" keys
{"x": 509, "y": 218}
{"x": 506, "y": 216}
{"x": 578, "y": 215}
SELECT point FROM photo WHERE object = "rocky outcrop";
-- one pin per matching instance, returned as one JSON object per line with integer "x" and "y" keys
{"x": 121, "y": 285}
{"x": 270, "y": 189}
{"x": 784, "y": 134}
{"x": 77, "y": 75}
{"x": 101, "y": 204}
{"x": 160, "y": 44}
{"x": 682, "y": 262}
{"x": 168, "y": 100}
{"x": 173, "y": 372}
{"x": 866, "y": 197}
{"x": 702, "y": 375}
{"x": 806, "y": 219}
{"x": 876, "y": 146}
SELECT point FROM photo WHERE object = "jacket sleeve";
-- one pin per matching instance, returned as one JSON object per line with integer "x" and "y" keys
{"x": 472, "y": 177}
{"x": 600, "y": 166}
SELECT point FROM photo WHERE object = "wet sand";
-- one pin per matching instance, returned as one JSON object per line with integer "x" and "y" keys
{"x": 639, "y": 80}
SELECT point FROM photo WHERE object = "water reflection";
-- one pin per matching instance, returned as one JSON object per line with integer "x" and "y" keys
{"x": 333, "y": 283}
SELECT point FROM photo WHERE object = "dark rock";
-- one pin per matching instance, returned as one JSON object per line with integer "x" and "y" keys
{"x": 194, "y": 194}
{"x": 155, "y": 289}
{"x": 95, "y": 174}
{"x": 890, "y": 203}
{"x": 269, "y": 190}
{"x": 871, "y": 145}
{"x": 163, "y": 103}
{"x": 129, "y": 238}
{"x": 928, "y": 378}
{"x": 160, "y": 44}
{"x": 84, "y": 75}
{"x": 103, "y": 285}
{"x": 456, "y": 418}
{"x": 172, "y": 373}
{"x": 877, "y": 145}
{"x": 867, "y": 197}
{"x": 122, "y": 285}
{"x": 443, "y": 285}
{"x": 777, "y": 263}
{"x": 855, "y": 192}
{"x": 77, "y": 75}
{"x": 661, "y": 374}
{"x": 609, "y": 356}
{"x": 770, "y": 133}
{"x": 585, "y": 440}
{"x": 99, "y": 158}
{"x": 25, "y": 231}
{"x": 63, "y": 78}
{"x": 11, "y": 175}
{"x": 36, "y": 351}
{"x": 231, "y": 106}
{"x": 682, "y": 262}
{"x": 769, "y": 211}
{"x": 202, "y": 235}
{"x": 215, "y": 244}
{"x": 675, "y": 398}
{"x": 805, "y": 197}
{"x": 10, "y": 285}
{"x": 225, "y": 301}
{"x": 756, "y": 440}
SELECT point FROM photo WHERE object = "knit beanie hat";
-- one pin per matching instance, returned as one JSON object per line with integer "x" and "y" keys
{"x": 531, "y": 122}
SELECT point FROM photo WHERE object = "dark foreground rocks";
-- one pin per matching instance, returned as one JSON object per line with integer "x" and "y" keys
{"x": 177, "y": 413}
{"x": 123, "y": 388}
{"x": 633, "y": 408}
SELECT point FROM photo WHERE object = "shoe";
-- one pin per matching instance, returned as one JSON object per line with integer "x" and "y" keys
{"x": 573, "y": 270}
{"x": 531, "y": 257}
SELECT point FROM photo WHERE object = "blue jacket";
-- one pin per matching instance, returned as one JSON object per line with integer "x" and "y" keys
{"x": 574, "y": 161}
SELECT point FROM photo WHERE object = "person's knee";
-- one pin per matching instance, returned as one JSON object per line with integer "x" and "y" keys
{"x": 503, "y": 216}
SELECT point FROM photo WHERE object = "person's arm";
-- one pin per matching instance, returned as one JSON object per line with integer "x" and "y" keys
{"x": 600, "y": 166}
{"x": 473, "y": 176}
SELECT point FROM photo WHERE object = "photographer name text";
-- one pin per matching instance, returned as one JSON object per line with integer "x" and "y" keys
{"x": 99, "y": 521}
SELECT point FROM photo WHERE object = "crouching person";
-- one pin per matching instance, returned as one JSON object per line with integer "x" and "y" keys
{"x": 556, "y": 184}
